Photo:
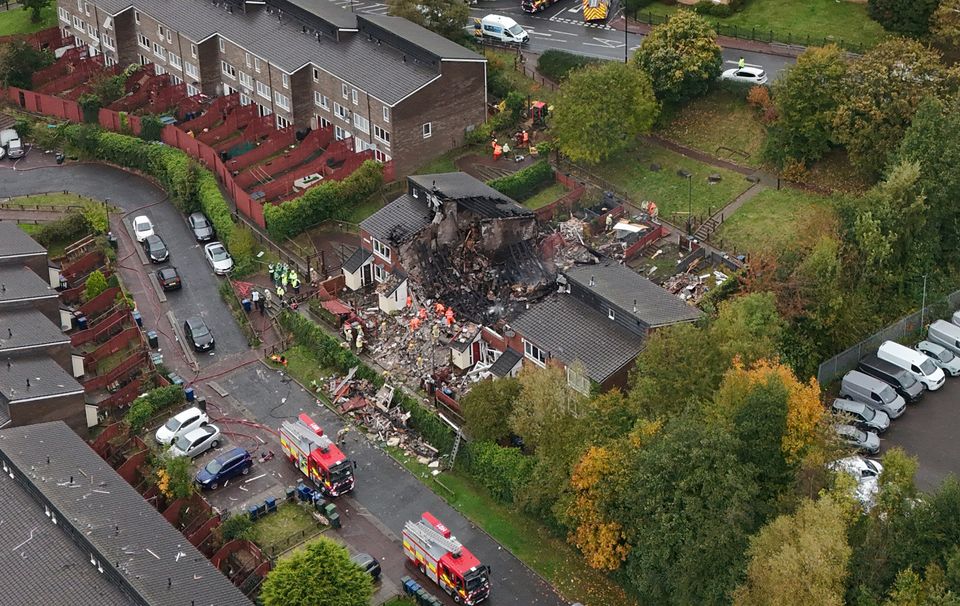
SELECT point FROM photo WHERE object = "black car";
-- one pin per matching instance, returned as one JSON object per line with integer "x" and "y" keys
{"x": 169, "y": 279}
{"x": 228, "y": 465}
{"x": 156, "y": 250}
{"x": 197, "y": 333}
{"x": 201, "y": 227}
{"x": 368, "y": 563}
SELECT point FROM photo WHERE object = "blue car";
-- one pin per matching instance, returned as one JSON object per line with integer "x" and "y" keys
{"x": 228, "y": 465}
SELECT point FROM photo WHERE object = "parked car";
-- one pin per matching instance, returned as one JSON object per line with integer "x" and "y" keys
{"x": 863, "y": 416}
{"x": 866, "y": 472}
{"x": 873, "y": 392}
{"x": 914, "y": 362}
{"x": 142, "y": 228}
{"x": 196, "y": 442}
{"x": 7, "y": 135}
{"x": 863, "y": 441}
{"x": 180, "y": 424}
{"x": 747, "y": 75}
{"x": 169, "y": 278}
{"x": 224, "y": 467}
{"x": 15, "y": 149}
{"x": 201, "y": 227}
{"x": 196, "y": 332}
{"x": 156, "y": 249}
{"x": 904, "y": 382}
{"x": 941, "y": 356}
{"x": 946, "y": 334}
{"x": 218, "y": 258}
{"x": 368, "y": 563}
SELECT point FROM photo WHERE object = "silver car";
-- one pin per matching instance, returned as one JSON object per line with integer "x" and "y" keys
{"x": 861, "y": 415}
{"x": 863, "y": 441}
{"x": 196, "y": 442}
{"x": 941, "y": 356}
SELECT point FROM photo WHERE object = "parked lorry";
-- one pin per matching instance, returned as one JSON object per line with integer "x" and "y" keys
{"x": 439, "y": 556}
{"x": 316, "y": 456}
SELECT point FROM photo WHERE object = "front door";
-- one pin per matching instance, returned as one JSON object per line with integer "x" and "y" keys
{"x": 367, "y": 274}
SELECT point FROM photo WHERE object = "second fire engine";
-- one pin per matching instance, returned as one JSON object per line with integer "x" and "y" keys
{"x": 316, "y": 456}
{"x": 438, "y": 554}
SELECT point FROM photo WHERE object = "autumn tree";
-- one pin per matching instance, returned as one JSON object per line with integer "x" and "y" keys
{"x": 601, "y": 110}
{"x": 907, "y": 17}
{"x": 682, "y": 57}
{"x": 883, "y": 90}
{"x": 748, "y": 327}
{"x": 174, "y": 477}
{"x": 445, "y": 17}
{"x": 321, "y": 575}
{"x": 945, "y": 24}
{"x": 487, "y": 407}
{"x": 799, "y": 559}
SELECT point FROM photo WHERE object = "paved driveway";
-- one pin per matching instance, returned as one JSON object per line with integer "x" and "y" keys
{"x": 137, "y": 196}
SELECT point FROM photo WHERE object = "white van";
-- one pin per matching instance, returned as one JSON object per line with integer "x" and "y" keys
{"x": 914, "y": 362}
{"x": 7, "y": 135}
{"x": 503, "y": 29}
{"x": 945, "y": 333}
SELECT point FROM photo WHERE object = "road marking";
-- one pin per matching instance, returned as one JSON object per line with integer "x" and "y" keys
{"x": 562, "y": 33}
{"x": 539, "y": 33}
{"x": 559, "y": 12}
{"x": 575, "y": 9}
{"x": 604, "y": 43}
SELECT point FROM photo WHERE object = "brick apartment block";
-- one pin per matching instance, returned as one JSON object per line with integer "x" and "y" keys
{"x": 393, "y": 86}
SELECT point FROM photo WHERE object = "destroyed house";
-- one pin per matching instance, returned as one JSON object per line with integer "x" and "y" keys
{"x": 596, "y": 324}
{"x": 74, "y": 528}
{"x": 449, "y": 238}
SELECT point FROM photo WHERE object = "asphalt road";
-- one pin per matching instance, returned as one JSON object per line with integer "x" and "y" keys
{"x": 137, "y": 196}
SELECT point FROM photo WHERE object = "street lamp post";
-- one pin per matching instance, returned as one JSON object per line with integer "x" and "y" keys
{"x": 689, "y": 177}
{"x": 626, "y": 47}
{"x": 923, "y": 301}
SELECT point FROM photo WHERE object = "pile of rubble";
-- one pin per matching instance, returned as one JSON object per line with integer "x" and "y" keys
{"x": 692, "y": 287}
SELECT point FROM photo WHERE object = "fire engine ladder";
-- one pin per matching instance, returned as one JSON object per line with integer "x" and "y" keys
{"x": 428, "y": 534}
{"x": 306, "y": 439}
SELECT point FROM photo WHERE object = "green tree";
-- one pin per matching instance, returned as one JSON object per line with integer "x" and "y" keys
{"x": 544, "y": 397}
{"x": 682, "y": 57}
{"x": 175, "y": 477}
{"x": 799, "y": 559}
{"x": 487, "y": 407}
{"x": 18, "y": 62}
{"x": 35, "y": 7}
{"x": 445, "y": 17}
{"x": 945, "y": 24}
{"x": 883, "y": 90}
{"x": 748, "y": 327}
{"x": 601, "y": 110}
{"x": 908, "y": 17}
{"x": 806, "y": 97}
{"x": 320, "y": 575}
{"x": 96, "y": 283}
{"x": 910, "y": 589}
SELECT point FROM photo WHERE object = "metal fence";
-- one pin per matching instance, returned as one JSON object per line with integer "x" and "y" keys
{"x": 907, "y": 326}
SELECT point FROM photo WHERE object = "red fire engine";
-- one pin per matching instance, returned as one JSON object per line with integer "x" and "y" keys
{"x": 316, "y": 456}
{"x": 430, "y": 547}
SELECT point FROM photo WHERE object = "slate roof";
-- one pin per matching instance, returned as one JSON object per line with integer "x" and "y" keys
{"x": 571, "y": 331}
{"x": 47, "y": 379}
{"x": 473, "y": 194}
{"x": 41, "y": 564}
{"x": 376, "y": 69}
{"x": 329, "y": 12}
{"x": 26, "y": 328}
{"x": 156, "y": 562}
{"x": 421, "y": 36}
{"x": 356, "y": 260}
{"x": 505, "y": 363}
{"x": 14, "y": 242}
{"x": 398, "y": 220}
{"x": 622, "y": 286}
{"x": 19, "y": 283}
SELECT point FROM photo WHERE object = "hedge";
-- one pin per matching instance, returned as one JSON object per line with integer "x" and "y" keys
{"x": 557, "y": 64}
{"x": 156, "y": 400}
{"x": 525, "y": 182}
{"x": 501, "y": 470}
{"x": 330, "y": 200}
{"x": 331, "y": 354}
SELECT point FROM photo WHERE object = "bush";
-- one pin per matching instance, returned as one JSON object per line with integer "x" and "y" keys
{"x": 95, "y": 214}
{"x": 150, "y": 128}
{"x": 96, "y": 283}
{"x": 90, "y": 105}
{"x": 481, "y": 134}
{"x": 498, "y": 84}
{"x": 707, "y": 7}
{"x": 242, "y": 245}
{"x": 155, "y": 401}
{"x": 237, "y": 527}
{"x": 525, "y": 182}
{"x": 557, "y": 64}
{"x": 70, "y": 228}
{"x": 503, "y": 471}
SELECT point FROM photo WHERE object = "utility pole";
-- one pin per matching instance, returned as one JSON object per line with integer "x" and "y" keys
{"x": 626, "y": 47}
{"x": 923, "y": 304}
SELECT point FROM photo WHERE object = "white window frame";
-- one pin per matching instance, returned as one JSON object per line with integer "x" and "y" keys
{"x": 578, "y": 382}
{"x": 246, "y": 80}
{"x": 79, "y": 24}
{"x": 91, "y": 31}
{"x": 192, "y": 91}
{"x": 339, "y": 133}
{"x": 281, "y": 100}
{"x": 136, "y": 16}
{"x": 256, "y": 64}
{"x": 159, "y": 51}
{"x": 191, "y": 70}
{"x": 245, "y": 100}
{"x": 355, "y": 97}
{"x": 321, "y": 100}
{"x": 143, "y": 42}
{"x": 161, "y": 31}
{"x": 223, "y": 47}
{"x": 193, "y": 50}
{"x": 344, "y": 90}
{"x": 427, "y": 130}
{"x": 341, "y": 112}
{"x": 175, "y": 60}
{"x": 63, "y": 14}
{"x": 86, "y": 8}
{"x": 381, "y": 134}
{"x": 159, "y": 69}
{"x": 380, "y": 249}
{"x": 226, "y": 69}
{"x": 380, "y": 156}
{"x": 176, "y": 79}
{"x": 534, "y": 353}
{"x": 316, "y": 75}
{"x": 262, "y": 89}
{"x": 379, "y": 273}
{"x": 282, "y": 122}
{"x": 246, "y": 59}
{"x": 107, "y": 41}
{"x": 386, "y": 114}
{"x": 611, "y": 315}
{"x": 286, "y": 80}
{"x": 361, "y": 123}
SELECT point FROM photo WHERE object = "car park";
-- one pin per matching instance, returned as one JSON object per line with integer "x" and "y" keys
{"x": 864, "y": 441}
{"x": 222, "y": 468}
{"x": 941, "y": 356}
{"x": 201, "y": 227}
{"x": 746, "y": 75}
{"x": 180, "y": 424}
{"x": 904, "y": 382}
{"x": 196, "y": 442}
{"x": 914, "y": 362}
{"x": 156, "y": 249}
{"x": 142, "y": 227}
{"x": 368, "y": 564}
{"x": 861, "y": 415}
{"x": 169, "y": 278}
{"x": 946, "y": 334}
{"x": 873, "y": 392}
{"x": 218, "y": 258}
{"x": 197, "y": 334}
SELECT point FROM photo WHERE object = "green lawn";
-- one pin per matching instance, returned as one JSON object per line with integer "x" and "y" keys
{"x": 54, "y": 250}
{"x": 721, "y": 119}
{"x": 17, "y": 21}
{"x": 631, "y": 172}
{"x": 770, "y": 220}
{"x": 795, "y": 21}
{"x": 54, "y": 199}
{"x": 365, "y": 209}
{"x": 305, "y": 367}
{"x": 545, "y": 196}
{"x": 288, "y": 526}
{"x": 446, "y": 163}
{"x": 517, "y": 79}
{"x": 400, "y": 602}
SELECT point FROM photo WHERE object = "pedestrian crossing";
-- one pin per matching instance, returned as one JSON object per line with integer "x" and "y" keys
{"x": 602, "y": 26}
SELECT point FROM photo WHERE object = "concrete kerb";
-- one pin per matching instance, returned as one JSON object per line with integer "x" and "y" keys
{"x": 187, "y": 350}
{"x": 156, "y": 286}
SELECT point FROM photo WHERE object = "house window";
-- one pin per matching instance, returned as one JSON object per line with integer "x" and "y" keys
{"x": 578, "y": 382}
{"x": 264, "y": 110}
{"x": 246, "y": 59}
{"x": 340, "y": 134}
{"x": 79, "y": 26}
{"x": 381, "y": 134}
{"x": 246, "y": 80}
{"x": 193, "y": 51}
{"x": 109, "y": 61}
{"x": 192, "y": 91}
{"x": 176, "y": 79}
{"x": 228, "y": 70}
{"x": 79, "y": 5}
{"x": 379, "y": 273}
{"x": 159, "y": 69}
{"x": 64, "y": 15}
{"x": 256, "y": 65}
{"x": 611, "y": 315}
{"x": 91, "y": 31}
{"x": 108, "y": 42}
{"x": 175, "y": 60}
{"x": 143, "y": 41}
{"x": 222, "y": 47}
{"x": 136, "y": 16}
{"x": 355, "y": 96}
{"x": 427, "y": 130}
{"x": 160, "y": 31}
{"x": 192, "y": 70}
{"x": 415, "y": 194}
{"x": 323, "y": 122}
{"x": 381, "y": 157}
{"x": 86, "y": 8}
{"x": 361, "y": 123}
{"x": 386, "y": 114}
{"x": 344, "y": 91}
{"x": 316, "y": 75}
{"x": 159, "y": 51}
{"x": 143, "y": 60}
{"x": 245, "y": 100}
{"x": 321, "y": 100}
{"x": 286, "y": 80}
{"x": 227, "y": 90}
{"x": 534, "y": 353}
{"x": 380, "y": 249}
{"x": 282, "y": 101}
{"x": 262, "y": 89}
{"x": 282, "y": 122}
{"x": 341, "y": 112}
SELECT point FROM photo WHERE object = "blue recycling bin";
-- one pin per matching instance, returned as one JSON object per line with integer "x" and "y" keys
{"x": 253, "y": 512}
{"x": 271, "y": 504}
{"x": 137, "y": 318}
{"x": 304, "y": 493}
{"x": 189, "y": 393}
{"x": 176, "y": 379}
{"x": 246, "y": 305}
{"x": 82, "y": 322}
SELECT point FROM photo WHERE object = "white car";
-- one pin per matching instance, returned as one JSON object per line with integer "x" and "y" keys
{"x": 142, "y": 228}
{"x": 941, "y": 356}
{"x": 866, "y": 472}
{"x": 747, "y": 75}
{"x": 218, "y": 258}
{"x": 196, "y": 442}
{"x": 184, "y": 422}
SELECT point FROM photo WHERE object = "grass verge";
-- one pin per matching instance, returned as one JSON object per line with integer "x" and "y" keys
{"x": 721, "y": 119}
{"x": 55, "y": 250}
{"x": 504, "y": 60}
{"x": 304, "y": 366}
{"x": 290, "y": 525}
{"x": 545, "y": 196}
{"x": 51, "y": 199}
{"x": 17, "y": 21}
{"x": 771, "y": 220}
